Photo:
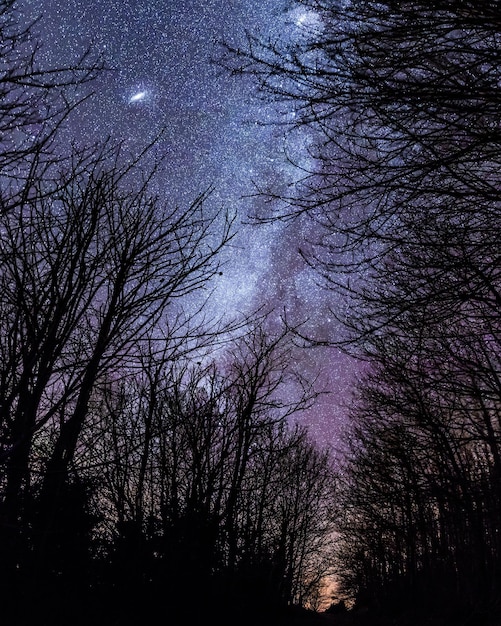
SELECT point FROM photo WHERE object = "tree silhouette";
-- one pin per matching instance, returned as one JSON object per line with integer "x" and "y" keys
{"x": 222, "y": 471}
{"x": 144, "y": 448}
{"x": 398, "y": 101}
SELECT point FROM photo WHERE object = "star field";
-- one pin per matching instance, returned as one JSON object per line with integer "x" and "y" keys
{"x": 161, "y": 77}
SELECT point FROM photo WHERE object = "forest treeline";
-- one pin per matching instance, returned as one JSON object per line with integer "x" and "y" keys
{"x": 149, "y": 467}
{"x": 400, "y": 104}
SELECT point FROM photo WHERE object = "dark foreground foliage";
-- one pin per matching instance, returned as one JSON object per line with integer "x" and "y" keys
{"x": 77, "y": 610}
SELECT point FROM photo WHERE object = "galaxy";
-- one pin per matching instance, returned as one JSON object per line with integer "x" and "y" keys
{"x": 161, "y": 77}
{"x": 138, "y": 97}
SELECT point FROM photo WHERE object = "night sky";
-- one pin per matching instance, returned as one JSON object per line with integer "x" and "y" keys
{"x": 162, "y": 77}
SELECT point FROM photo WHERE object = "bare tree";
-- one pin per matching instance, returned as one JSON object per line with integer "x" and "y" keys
{"x": 399, "y": 132}
{"x": 400, "y": 102}
{"x": 200, "y": 462}
{"x": 87, "y": 275}
{"x": 36, "y": 101}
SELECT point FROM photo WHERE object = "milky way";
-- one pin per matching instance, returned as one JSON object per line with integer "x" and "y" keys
{"x": 161, "y": 77}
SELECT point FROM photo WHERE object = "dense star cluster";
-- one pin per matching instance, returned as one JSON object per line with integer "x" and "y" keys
{"x": 215, "y": 134}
